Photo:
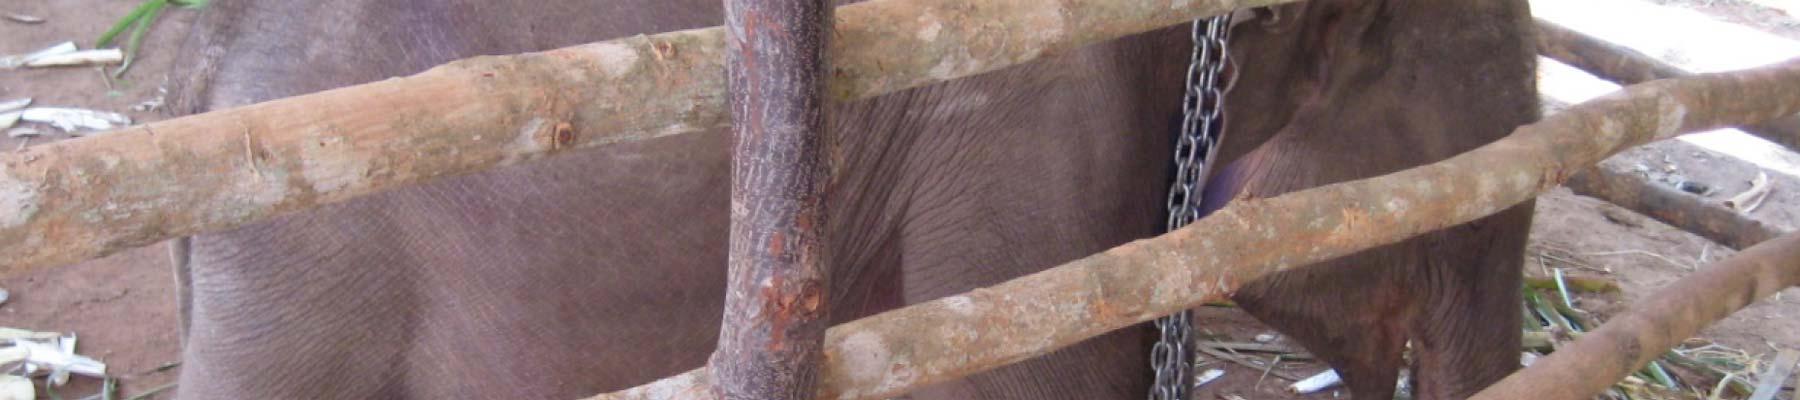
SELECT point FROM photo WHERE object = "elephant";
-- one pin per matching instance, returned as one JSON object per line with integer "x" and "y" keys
{"x": 1336, "y": 67}
{"x": 604, "y": 269}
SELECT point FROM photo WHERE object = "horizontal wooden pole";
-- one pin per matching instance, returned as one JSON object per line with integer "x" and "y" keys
{"x": 1619, "y": 184}
{"x": 1633, "y": 191}
{"x": 901, "y": 350}
{"x": 1625, "y": 66}
{"x": 85, "y": 198}
{"x": 1654, "y": 325}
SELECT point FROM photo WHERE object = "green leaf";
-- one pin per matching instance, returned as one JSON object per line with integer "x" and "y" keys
{"x": 132, "y": 18}
{"x": 137, "y": 35}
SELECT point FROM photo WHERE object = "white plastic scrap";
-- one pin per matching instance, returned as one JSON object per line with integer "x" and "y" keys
{"x": 16, "y": 388}
{"x": 14, "y": 104}
{"x": 19, "y": 60}
{"x": 63, "y": 54}
{"x": 1315, "y": 383}
{"x": 84, "y": 57}
{"x": 7, "y": 335}
{"x": 12, "y": 355}
{"x": 24, "y": 19}
{"x": 154, "y": 103}
{"x": 8, "y": 116}
{"x": 48, "y": 355}
{"x": 3, "y": 296}
{"x": 72, "y": 120}
{"x": 23, "y": 132}
{"x": 1208, "y": 376}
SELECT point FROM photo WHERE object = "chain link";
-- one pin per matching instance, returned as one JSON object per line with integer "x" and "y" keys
{"x": 1202, "y": 105}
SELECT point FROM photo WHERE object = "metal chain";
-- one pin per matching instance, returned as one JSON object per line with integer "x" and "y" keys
{"x": 1202, "y": 105}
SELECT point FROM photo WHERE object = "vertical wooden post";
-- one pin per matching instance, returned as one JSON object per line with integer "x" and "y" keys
{"x": 775, "y": 300}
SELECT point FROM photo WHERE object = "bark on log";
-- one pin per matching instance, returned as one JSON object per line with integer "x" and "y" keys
{"x": 85, "y": 198}
{"x": 1628, "y": 342}
{"x": 775, "y": 303}
{"x": 897, "y": 351}
{"x": 1625, "y": 66}
{"x": 1616, "y": 183}
{"x": 1635, "y": 192}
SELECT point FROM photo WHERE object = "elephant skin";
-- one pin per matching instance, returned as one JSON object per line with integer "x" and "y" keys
{"x": 597, "y": 271}
{"x": 1347, "y": 90}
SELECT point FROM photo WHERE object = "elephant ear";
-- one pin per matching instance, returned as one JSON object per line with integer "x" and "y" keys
{"x": 1280, "y": 18}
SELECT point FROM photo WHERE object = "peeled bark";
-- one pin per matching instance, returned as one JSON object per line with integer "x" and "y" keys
{"x": 901, "y": 350}
{"x": 85, "y": 198}
{"x": 775, "y": 303}
{"x": 1626, "y": 343}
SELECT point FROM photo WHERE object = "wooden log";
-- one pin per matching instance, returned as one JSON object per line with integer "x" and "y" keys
{"x": 1629, "y": 341}
{"x": 900, "y": 350}
{"x": 85, "y": 198}
{"x": 1619, "y": 184}
{"x": 1625, "y": 66}
{"x": 1616, "y": 184}
{"x": 775, "y": 302}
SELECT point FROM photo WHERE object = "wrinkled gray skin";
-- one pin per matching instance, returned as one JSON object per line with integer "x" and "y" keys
{"x": 596, "y": 271}
{"x": 1356, "y": 89}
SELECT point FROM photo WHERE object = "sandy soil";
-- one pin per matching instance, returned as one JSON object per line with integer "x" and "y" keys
{"x": 123, "y": 306}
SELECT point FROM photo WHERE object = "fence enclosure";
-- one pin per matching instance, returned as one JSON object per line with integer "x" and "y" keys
{"x": 86, "y": 198}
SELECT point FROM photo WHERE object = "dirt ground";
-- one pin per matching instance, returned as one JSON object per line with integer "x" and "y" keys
{"x": 123, "y": 306}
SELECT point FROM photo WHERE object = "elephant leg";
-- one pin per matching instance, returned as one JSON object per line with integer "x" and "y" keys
{"x": 1348, "y": 312}
{"x": 1467, "y": 336}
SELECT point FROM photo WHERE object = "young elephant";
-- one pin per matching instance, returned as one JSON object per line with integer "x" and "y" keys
{"x": 602, "y": 270}
{"x": 1348, "y": 90}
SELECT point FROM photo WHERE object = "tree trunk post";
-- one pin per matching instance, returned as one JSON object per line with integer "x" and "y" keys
{"x": 775, "y": 301}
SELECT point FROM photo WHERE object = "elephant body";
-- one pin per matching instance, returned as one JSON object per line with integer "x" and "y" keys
{"x": 601, "y": 270}
{"x": 1347, "y": 90}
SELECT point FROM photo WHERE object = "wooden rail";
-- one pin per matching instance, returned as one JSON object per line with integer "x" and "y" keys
{"x": 1656, "y": 324}
{"x": 1625, "y": 66}
{"x": 898, "y": 351}
{"x": 84, "y": 198}
{"x": 1635, "y": 191}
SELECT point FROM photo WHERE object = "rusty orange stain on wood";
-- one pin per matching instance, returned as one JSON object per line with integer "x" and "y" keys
{"x": 811, "y": 299}
{"x": 564, "y": 135}
{"x": 775, "y": 311}
{"x": 663, "y": 50}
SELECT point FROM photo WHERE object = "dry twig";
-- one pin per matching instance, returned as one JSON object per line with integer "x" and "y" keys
{"x": 1748, "y": 200}
{"x": 1267, "y": 368}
